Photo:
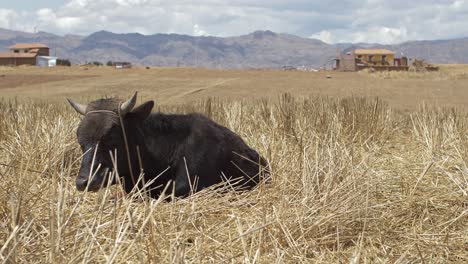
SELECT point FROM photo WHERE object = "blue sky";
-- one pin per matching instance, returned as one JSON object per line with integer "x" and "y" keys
{"x": 381, "y": 21}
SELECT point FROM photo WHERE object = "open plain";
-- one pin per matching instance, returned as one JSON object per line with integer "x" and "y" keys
{"x": 366, "y": 167}
{"x": 169, "y": 86}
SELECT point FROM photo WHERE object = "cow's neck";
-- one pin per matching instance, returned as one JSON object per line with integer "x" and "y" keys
{"x": 158, "y": 138}
{"x": 141, "y": 145}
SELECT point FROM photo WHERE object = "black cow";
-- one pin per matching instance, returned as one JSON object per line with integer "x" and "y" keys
{"x": 186, "y": 152}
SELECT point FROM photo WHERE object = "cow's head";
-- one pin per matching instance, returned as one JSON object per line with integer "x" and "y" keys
{"x": 100, "y": 136}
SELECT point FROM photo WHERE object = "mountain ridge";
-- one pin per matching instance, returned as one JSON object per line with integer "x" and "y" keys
{"x": 258, "y": 49}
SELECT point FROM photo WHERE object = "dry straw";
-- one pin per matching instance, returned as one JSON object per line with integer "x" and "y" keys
{"x": 352, "y": 181}
{"x": 445, "y": 72}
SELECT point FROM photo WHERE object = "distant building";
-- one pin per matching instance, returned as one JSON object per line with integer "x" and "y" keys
{"x": 122, "y": 65}
{"x": 346, "y": 62}
{"x": 23, "y": 54}
{"x": 378, "y": 59}
{"x": 38, "y": 48}
{"x": 381, "y": 57}
{"x": 46, "y": 61}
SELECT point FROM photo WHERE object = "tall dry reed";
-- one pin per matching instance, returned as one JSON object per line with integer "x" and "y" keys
{"x": 352, "y": 181}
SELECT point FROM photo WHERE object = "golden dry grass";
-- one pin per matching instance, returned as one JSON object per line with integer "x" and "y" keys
{"x": 169, "y": 86}
{"x": 445, "y": 73}
{"x": 354, "y": 180}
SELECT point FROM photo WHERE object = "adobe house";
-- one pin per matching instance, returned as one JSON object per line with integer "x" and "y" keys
{"x": 23, "y": 54}
{"x": 377, "y": 59}
{"x": 345, "y": 62}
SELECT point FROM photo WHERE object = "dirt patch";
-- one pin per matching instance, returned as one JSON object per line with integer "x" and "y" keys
{"x": 16, "y": 80}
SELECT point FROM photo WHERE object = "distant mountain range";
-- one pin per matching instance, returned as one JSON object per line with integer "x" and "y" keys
{"x": 260, "y": 49}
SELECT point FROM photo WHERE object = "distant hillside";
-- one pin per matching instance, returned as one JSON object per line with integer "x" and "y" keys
{"x": 256, "y": 50}
{"x": 438, "y": 51}
{"x": 260, "y": 49}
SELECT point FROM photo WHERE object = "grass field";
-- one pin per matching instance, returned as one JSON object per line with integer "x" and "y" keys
{"x": 169, "y": 86}
{"x": 366, "y": 167}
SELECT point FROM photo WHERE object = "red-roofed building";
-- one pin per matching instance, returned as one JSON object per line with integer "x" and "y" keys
{"x": 23, "y": 54}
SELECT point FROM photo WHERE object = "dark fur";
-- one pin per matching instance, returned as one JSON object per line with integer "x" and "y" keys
{"x": 182, "y": 143}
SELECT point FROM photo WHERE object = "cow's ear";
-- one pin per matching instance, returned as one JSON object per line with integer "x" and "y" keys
{"x": 143, "y": 110}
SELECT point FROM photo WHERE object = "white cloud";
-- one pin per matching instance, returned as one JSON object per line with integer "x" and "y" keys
{"x": 324, "y": 35}
{"x": 47, "y": 17}
{"x": 6, "y": 16}
{"x": 68, "y": 23}
{"x": 341, "y": 21}
{"x": 197, "y": 31}
{"x": 459, "y": 4}
{"x": 383, "y": 35}
{"x": 16, "y": 20}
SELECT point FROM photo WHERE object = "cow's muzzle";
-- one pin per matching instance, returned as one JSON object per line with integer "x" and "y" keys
{"x": 83, "y": 182}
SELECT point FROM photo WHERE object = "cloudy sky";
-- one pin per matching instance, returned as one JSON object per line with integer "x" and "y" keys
{"x": 381, "y": 21}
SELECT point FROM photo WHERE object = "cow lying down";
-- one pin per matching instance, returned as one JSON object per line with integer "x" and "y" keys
{"x": 186, "y": 153}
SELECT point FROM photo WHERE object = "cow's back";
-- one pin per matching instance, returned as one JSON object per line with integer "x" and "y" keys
{"x": 235, "y": 159}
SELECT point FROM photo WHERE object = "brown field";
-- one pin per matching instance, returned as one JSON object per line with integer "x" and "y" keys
{"x": 169, "y": 86}
{"x": 366, "y": 167}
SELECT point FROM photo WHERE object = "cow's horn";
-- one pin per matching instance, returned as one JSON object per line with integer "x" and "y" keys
{"x": 128, "y": 105}
{"x": 78, "y": 107}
